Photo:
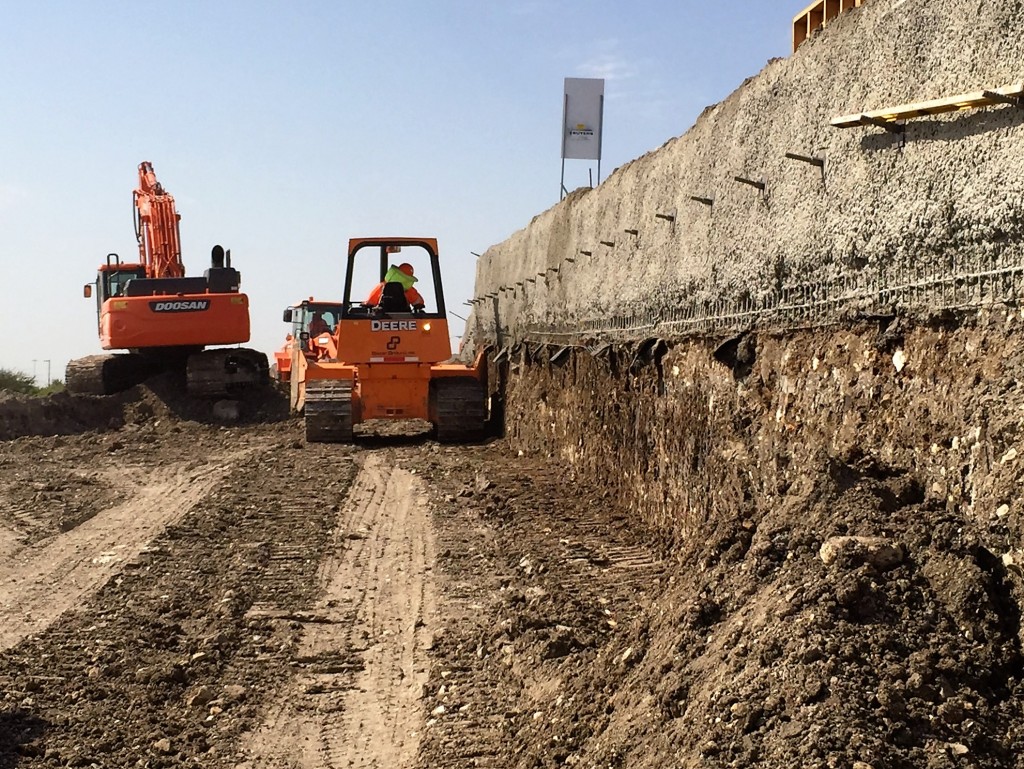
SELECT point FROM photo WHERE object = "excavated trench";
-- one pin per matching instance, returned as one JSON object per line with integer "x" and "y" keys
{"x": 794, "y": 547}
{"x": 806, "y": 400}
{"x": 842, "y": 507}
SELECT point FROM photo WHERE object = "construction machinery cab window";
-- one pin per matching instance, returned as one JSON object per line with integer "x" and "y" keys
{"x": 311, "y": 320}
{"x": 113, "y": 282}
{"x": 393, "y": 281}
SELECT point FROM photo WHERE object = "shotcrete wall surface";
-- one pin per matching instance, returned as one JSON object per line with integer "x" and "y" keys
{"x": 951, "y": 190}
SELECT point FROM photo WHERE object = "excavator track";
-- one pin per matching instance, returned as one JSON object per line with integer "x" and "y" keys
{"x": 328, "y": 411}
{"x": 461, "y": 409}
{"x": 107, "y": 374}
{"x": 225, "y": 372}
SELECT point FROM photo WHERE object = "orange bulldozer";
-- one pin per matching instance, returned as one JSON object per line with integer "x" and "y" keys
{"x": 387, "y": 357}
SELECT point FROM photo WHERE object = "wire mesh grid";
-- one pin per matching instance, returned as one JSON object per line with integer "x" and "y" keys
{"x": 940, "y": 286}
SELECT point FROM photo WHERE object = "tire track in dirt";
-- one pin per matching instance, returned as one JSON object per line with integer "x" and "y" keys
{"x": 357, "y": 700}
{"x": 541, "y": 577}
{"x": 38, "y": 584}
{"x": 10, "y": 542}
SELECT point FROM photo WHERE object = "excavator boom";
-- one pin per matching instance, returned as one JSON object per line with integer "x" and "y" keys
{"x": 156, "y": 227}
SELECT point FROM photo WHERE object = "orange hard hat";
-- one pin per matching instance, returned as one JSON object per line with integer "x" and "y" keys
{"x": 406, "y": 268}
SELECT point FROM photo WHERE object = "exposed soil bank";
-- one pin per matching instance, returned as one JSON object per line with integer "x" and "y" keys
{"x": 844, "y": 510}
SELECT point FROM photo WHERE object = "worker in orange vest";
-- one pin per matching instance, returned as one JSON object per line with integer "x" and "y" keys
{"x": 318, "y": 325}
{"x": 403, "y": 274}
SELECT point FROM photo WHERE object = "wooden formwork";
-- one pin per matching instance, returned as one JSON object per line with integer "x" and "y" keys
{"x": 817, "y": 15}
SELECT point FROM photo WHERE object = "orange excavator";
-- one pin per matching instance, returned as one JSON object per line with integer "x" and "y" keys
{"x": 163, "y": 319}
{"x": 386, "y": 358}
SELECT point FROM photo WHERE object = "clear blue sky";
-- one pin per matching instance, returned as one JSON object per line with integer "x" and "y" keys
{"x": 284, "y": 128}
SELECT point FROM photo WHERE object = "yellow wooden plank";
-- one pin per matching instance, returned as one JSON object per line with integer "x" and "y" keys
{"x": 973, "y": 100}
{"x": 799, "y": 32}
{"x": 807, "y": 11}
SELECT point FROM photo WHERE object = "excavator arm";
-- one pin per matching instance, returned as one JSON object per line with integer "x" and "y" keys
{"x": 156, "y": 227}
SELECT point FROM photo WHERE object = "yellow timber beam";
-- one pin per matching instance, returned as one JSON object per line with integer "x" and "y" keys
{"x": 1011, "y": 94}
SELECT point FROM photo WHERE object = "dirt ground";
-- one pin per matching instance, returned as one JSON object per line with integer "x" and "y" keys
{"x": 175, "y": 592}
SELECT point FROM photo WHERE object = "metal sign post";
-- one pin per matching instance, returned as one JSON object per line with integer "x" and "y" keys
{"x": 582, "y": 122}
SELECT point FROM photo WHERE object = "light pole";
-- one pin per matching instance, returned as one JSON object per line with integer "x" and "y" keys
{"x": 34, "y": 380}
{"x": 48, "y": 380}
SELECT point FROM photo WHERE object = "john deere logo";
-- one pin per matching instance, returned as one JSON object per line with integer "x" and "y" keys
{"x": 393, "y": 343}
{"x": 195, "y": 305}
{"x": 392, "y": 325}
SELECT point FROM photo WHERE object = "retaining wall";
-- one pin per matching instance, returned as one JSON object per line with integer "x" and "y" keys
{"x": 836, "y": 360}
{"x": 948, "y": 192}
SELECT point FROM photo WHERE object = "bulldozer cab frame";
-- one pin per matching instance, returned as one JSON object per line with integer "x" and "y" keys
{"x": 391, "y": 251}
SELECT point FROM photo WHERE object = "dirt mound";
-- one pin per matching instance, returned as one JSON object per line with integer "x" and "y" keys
{"x": 58, "y": 414}
{"x": 853, "y": 623}
{"x": 160, "y": 398}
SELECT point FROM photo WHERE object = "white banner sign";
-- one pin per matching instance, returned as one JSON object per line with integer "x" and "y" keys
{"x": 582, "y": 118}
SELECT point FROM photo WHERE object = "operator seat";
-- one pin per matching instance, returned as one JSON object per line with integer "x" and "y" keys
{"x": 392, "y": 298}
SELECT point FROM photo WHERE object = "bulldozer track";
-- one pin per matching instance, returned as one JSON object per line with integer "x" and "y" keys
{"x": 64, "y": 570}
{"x": 461, "y": 407}
{"x": 27, "y": 523}
{"x": 328, "y": 411}
{"x": 224, "y": 372}
{"x": 361, "y": 665}
{"x": 284, "y": 561}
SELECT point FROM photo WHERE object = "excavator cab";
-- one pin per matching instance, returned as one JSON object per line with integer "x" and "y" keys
{"x": 312, "y": 325}
{"x": 390, "y": 354}
{"x": 111, "y": 280}
{"x": 113, "y": 277}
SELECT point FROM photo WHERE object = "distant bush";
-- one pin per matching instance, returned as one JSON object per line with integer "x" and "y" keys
{"x": 55, "y": 386}
{"x": 17, "y": 382}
